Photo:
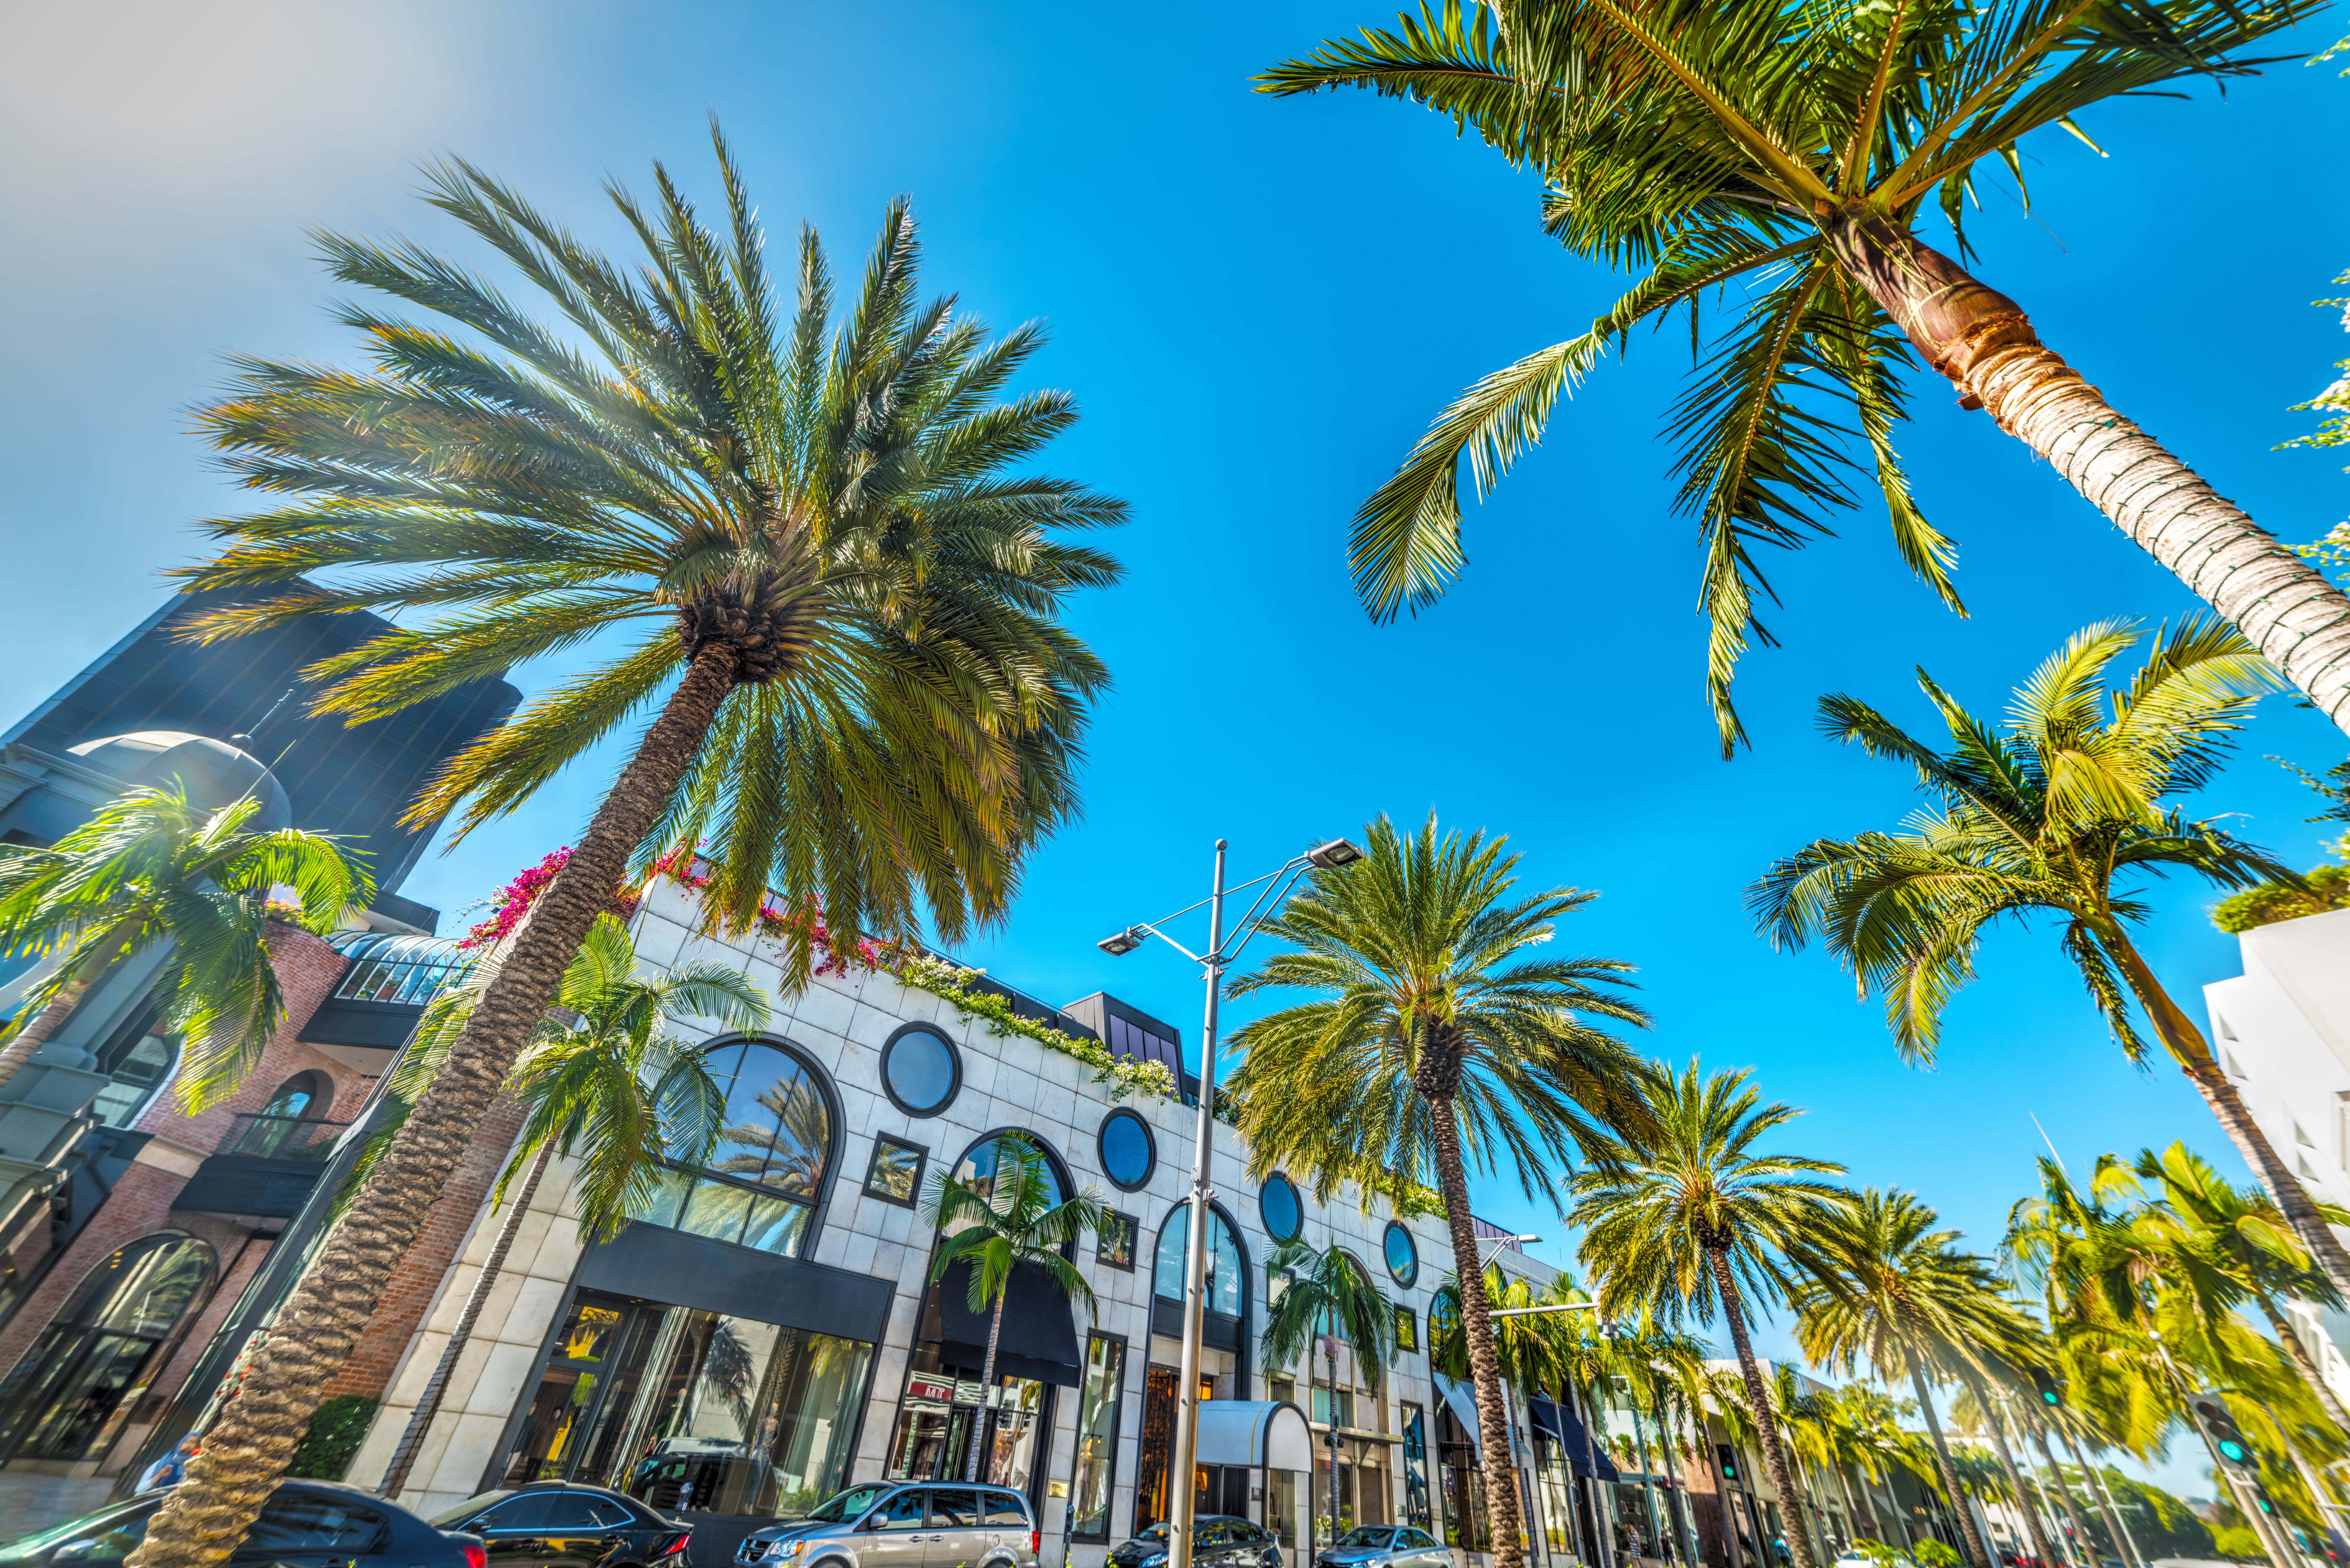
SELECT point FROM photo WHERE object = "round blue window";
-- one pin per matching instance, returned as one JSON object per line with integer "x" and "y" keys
{"x": 1277, "y": 1203}
{"x": 1127, "y": 1153}
{"x": 920, "y": 1072}
{"x": 1403, "y": 1257}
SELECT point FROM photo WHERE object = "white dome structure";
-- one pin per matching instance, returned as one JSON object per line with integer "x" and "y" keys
{"x": 213, "y": 773}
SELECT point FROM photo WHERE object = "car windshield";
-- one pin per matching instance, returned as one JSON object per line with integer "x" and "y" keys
{"x": 845, "y": 1506}
{"x": 1366, "y": 1536}
{"x": 94, "y": 1523}
{"x": 467, "y": 1509}
{"x": 1157, "y": 1533}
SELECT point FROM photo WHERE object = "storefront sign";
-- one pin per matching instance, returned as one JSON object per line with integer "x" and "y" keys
{"x": 920, "y": 1385}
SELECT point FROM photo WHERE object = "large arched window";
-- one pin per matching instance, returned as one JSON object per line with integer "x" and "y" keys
{"x": 764, "y": 1178}
{"x": 67, "y": 1398}
{"x": 1227, "y": 1279}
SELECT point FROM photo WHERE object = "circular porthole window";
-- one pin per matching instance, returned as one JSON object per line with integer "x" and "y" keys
{"x": 920, "y": 1070}
{"x": 1277, "y": 1204}
{"x": 1403, "y": 1257}
{"x": 1129, "y": 1153}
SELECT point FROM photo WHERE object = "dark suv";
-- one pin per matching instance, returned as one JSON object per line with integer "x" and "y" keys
{"x": 902, "y": 1525}
{"x": 558, "y": 1524}
{"x": 305, "y": 1524}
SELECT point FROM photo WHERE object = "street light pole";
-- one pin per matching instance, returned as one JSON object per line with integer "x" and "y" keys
{"x": 1183, "y": 1465}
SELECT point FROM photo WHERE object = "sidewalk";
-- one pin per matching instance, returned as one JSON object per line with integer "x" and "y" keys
{"x": 31, "y": 1503}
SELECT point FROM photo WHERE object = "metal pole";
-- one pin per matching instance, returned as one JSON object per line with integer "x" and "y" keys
{"x": 1184, "y": 1464}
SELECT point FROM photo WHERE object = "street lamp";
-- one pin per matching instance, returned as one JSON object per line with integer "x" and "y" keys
{"x": 1183, "y": 1463}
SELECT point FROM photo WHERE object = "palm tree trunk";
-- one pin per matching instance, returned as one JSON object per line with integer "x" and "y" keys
{"x": 2193, "y": 1054}
{"x": 2125, "y": 1543}
{"x": 204, "y": 1518}
{"x": 2048, "y": 1558}
{"x": 427, "y": 1404}
{"x": 2085, "y": 1544}
{"x": 1968, "y": 1530}
{"x": 1330, "y": 1360}
{"x": 40, "y": 1028}
{"x": 1602, "y": 1546}
{"x": 2283, "y": 1329}
{"x": 1982, "y": 340}
{"x": 1484, "y": 1367}
{"x": 987, "y": 1386}
{"x": 1851, "y": 1508}
{"x": 1766, "y": 1423}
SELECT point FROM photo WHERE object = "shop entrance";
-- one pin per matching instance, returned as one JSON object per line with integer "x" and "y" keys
{"x": 942, "y": 1408}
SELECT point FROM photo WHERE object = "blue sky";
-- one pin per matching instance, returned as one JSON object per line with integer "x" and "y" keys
{"x": 1258, "y": 303}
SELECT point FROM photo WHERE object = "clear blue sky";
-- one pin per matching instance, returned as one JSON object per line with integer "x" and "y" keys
{"x": 1259, "y": 304}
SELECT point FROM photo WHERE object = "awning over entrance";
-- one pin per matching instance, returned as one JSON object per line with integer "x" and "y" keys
{"x": 1039, "y": 1338}
{"x": 1268, "y": 1432}
{"x": 1464, "y": 1402}
{"x": 1581, "y": 1452}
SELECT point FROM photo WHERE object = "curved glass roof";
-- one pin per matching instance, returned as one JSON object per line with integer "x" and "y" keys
{"x": 390, "y": 967}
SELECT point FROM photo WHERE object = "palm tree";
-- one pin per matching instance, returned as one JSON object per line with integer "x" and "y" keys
{"x": 1016, "y": 1223}
{"x": 1437, "y": 1045}
{"x": 1327, "y": 1294}
{"x": 1688, "y": 1219}
{"x": 2202, "y": 1217}
{"x": 149, "y": 870}
{"x": 607, "y": 1091}
{"x": 1879, "y": 1283}
{"x": 836, "y": 600}
{"x": 1786, "y": 153}
{"x": 2058, "y": 812}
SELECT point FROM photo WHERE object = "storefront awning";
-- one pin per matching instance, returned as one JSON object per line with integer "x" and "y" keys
{"x": 1464, "y": 1409}
{"x": 1582, "y": 1453}
{"x": 1544, "y": 1415}
{"x": 1268, "y": 1432}
{"x": 1039, "y": 1338}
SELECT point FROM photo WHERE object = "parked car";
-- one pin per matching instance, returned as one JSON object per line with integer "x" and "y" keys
{"x": 561, "y": 1524}
{"x": 1223, "y": 1540}
{"x": 304, "y": 1521}
{"x": 902, "y": 1525}
{"x": 1384, "y": 1546}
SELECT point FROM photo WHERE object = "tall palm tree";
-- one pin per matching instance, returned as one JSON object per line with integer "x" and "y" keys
{"x": 1783, "y": 155}
{"x": 830, "y": 587}
{"x": 150, "y": 870}
{"x": 606, "y": 1091}
{"x": 2203, "y": 1215}
{"x": 1327, "y": 1294}
{"x": 1879, "y": 1283}
{"x": 2059, "y": 812}
{"x": 1437, "y": 1045}
{"x": 1688, "y": 1218}
{"x": 1020, "y": 1221}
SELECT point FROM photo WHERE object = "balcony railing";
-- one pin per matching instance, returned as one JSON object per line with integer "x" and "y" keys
{"x": 308, "y": 1139}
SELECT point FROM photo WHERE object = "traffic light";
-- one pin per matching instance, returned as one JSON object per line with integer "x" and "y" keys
{"x": 1727, "y": 1458}
{"x": 2226, "y": 1438}
{"x": 2043, "y": 1383}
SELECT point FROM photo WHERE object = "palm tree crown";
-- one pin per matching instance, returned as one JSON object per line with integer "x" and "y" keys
{"x": 715, "y": 474}
{"x": 1326, "y": 1290}
{"x": 151, "y": 870}
{"x": 1791, "y": 151}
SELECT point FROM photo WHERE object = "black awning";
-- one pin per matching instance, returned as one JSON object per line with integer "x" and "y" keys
{"x": 1544, "y": 1415}
{"x": 1039, "y": 1338}
{"x": 1581, "y": 1452}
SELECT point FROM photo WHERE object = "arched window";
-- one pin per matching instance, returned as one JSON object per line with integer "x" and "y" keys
{"x": 407, "y": 971}
{"x": 278, "y": 1129}
{"x": 775, "y": 1150}
{"x": 976, "y": 1170}
{"x": 67, "y": 1398}
{"x": 1227, "y": 1278}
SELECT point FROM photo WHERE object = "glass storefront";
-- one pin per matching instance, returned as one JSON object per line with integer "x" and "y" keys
{"x": 942, "y": 1407}
{"x": 1095, "y": 1476}
{"x": 1465, "y": 1485}
{"x": 69, "y": 1395}
{"x": 1416, "y": 1512}
{"x": 693, "y": 1411}
{"x": 1554, "y": 1487}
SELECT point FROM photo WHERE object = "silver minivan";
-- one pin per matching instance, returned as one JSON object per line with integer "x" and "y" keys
{"x": 899, "y": 1524}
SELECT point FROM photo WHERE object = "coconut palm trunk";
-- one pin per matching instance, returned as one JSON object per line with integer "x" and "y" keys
{"x": 40, "y": 1029}
{"x": 979, "y": 1432}
{"x": 2085, "y": 1544}
{"x": 1758, "y": 1394}
{"x": 2007, "y": 1466}
{"x": 427, "y": 1404}
{"x": 1957, "y": 1499}
{"x": 2124, "y": 1542}
{"x": 2193, "y": 1054}
{"x": 1330, "y": 1361}
{"x": 1484, "y": 1367}
{"x": 203, "y": 1518}
{"x": 1983, "y": 341}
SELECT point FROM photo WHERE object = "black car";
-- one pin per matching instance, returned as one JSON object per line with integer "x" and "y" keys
{"x": 559, "y": 1525}
{"x": 1219, "y": 1541}
{"x": 305, "y": 1524}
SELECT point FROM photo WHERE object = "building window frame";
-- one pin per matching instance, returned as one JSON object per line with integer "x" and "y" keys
{"x": 1406, "y": 1330}
{"x": 1297, "y": 1203}
{"x": 1408, "y": 1276}
{"x": 1131, "y": 1228}
{"x": 1116, "y": 1431}
{"x": 836, "y": 1147}
{"x": 1149, "y": 1146}
{"x": 954, "y": 1064}
{"x": 873, "y": 1170}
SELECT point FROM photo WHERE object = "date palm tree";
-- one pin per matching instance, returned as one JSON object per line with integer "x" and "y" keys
{"x": 150, "y": 870}
{"x": 1327, "y": 1294}
{"x": 1019, "y": 1220}
{"x": 606, "y": 1091}
{"x": 1689, "y": 1218}
{"x": 1436, "y": 1044}
{"x": 1784, "y": 155}
{"x": 2060, "y": 812}
{"x": 809, "y": 550}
